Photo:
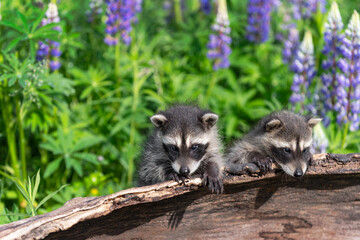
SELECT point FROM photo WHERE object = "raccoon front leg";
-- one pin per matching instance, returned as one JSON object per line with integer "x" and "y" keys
{"x": 212, "y": 178}
{"x": 263, "y": 162}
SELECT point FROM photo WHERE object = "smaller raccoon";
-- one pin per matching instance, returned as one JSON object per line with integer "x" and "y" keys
{"x": 185, "y": 142}
{"x": 283, "y": 137}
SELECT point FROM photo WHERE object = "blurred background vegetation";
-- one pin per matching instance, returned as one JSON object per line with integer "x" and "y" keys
{"x": 78, "y": 131}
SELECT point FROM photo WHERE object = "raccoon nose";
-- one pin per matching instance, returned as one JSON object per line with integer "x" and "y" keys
{"x": 184, "y": 171}
{"x": 298, "y": 172}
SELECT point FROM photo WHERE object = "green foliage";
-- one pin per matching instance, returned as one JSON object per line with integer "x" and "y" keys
{"x": 85, "y": 124}
{"x": 29, "y": 190}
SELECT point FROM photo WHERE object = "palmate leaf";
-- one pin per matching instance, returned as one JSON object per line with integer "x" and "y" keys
{"x": 37, "y": 22}
{"x": 52, "y": 167}
{"x": 75, "y": 164}
{"x": 86, "y": 142}
{"x": 90, "y": 157}
{"x": 13, "y": 26}
{"x": 13, "y": 43}
{"x": 51, "y": 145}
{"x": 23, "y": 20}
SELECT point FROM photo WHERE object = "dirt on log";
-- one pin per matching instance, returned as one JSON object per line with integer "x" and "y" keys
{"x": 324, "y": 204}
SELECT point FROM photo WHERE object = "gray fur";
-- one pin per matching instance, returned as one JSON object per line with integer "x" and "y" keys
{"x": 282, "y": 128}
{"x": 180, "y": 123}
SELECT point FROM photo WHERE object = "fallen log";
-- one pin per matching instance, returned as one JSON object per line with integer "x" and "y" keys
{"x": 324, "y": 204}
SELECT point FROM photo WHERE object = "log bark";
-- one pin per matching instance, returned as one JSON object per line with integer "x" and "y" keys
{"x": 324, "y": 204}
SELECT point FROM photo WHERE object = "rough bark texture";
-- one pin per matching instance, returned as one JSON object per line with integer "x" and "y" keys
{"x": 324, "y": 204}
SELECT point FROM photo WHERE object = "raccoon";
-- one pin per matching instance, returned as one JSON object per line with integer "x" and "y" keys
{"x": 283, "y": 137}
{"x": 185, "y": 142}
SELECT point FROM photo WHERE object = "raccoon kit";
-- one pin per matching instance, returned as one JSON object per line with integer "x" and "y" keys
{"x": 283, "y": 137}
{"x": 185, "y": 142}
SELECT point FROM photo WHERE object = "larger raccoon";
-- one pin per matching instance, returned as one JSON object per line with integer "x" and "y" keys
{"x": 185, "y": 142}
{"x": 283, "y": 137}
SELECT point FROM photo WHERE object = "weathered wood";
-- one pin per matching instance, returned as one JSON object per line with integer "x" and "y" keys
{"x": 323, "y": 204}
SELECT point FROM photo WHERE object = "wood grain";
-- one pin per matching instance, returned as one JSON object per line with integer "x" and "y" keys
{"x": 324, "y": 204}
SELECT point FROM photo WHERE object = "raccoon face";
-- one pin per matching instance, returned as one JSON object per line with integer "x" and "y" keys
{"x": 185, "y": 140}
{"x": 290, "y": 148}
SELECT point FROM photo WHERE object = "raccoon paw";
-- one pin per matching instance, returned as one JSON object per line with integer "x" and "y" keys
{"x": 264, "y": 163}
{"x": 176, "y": 177}
{"x": 215, "y": 184}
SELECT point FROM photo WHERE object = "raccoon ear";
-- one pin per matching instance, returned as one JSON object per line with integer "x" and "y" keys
{"x": 209, "y": 119}
{"x": 273, "y": 125}
{"x": 313, "y": 121}
{"x": 158, "y": 120}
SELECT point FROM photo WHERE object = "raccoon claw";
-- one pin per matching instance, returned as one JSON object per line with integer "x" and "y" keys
{"x": 264, "y": 163}
{"x": 176, "y": 177}
{"x": 215, "y": 184}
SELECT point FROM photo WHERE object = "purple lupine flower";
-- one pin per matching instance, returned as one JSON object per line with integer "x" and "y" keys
{"x": 303, "y": 9}
{"x": 218, "y": 45}
{"x": 205, "y": 6}
{"x": 95, "y": 9}
{"x": 291, "y": 45}
{"x": 258, "y": 20}
{"x": 303, "y": 67}
{"x": 49, "y": 50}
{"x": 331, "y": 51}
{"x": 348, "y": 80}
{"x": 121, "y": 15}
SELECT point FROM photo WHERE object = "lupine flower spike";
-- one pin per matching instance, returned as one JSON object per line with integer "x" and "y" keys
{"x": 258, "y": 20}
{"x": 95, "y": 9}
{"x": 49, "y": 50}
{"x": 348, "y": 87}
{"x": 219, "y": 41}
{"x": 291, "y": 45}
{"x": 205, "y": 6}
{"x": 121, "y": 14}
{"x": 303, "y": 9}
{"x": 331, "y": 51}
{"x": 304, "y": 71}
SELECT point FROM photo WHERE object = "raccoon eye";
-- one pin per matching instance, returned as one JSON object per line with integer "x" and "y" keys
{"x": 306, "y": 150}
{"x": 194, "y": 146}
{"x": 173, "y": 148}
{"x": 287, "y": 150}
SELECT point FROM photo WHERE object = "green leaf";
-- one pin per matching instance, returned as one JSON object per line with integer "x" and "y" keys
{"x": 38, "y": 21}
{"x": 36, "y": 186}
{"x": 5, "y": 76}
{"x": 12, "y": 25}
{"x": 12, "y": 81}
{"x": 24, "y": 193}
{"x": 45, "y": 199}
{"x": 23, "y": 20}
{"x": 13, "y": 43}
{"x": 51, "y": 145}
{"x": 77, "y": 166}
{"x": 52, "y": 167}
{"x": 86, "y": 142}
{"x": 90, "y": 157}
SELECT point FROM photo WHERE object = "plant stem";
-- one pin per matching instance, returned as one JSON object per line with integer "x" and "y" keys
{"x": 117, "y": 63}
{"x": 22, "y": 140}
{"x": 177, "y": 12}
{"x": 346, "y": 130}
{"x": 136, "y": 89}
{"x": 10, "y": 136}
